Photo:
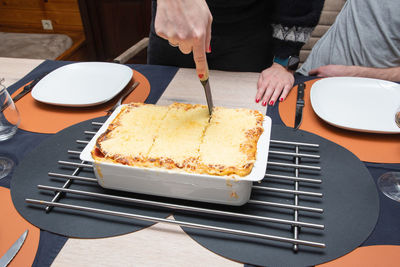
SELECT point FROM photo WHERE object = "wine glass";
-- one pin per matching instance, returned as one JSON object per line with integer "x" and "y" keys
{"x": 389, "y": 183}
{"x": 9, "y": 122}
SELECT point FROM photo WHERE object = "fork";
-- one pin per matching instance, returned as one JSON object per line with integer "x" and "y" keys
{"x": 111, "y": 110}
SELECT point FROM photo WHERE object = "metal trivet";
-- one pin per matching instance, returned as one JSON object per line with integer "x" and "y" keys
{"x": 293, "y": 176}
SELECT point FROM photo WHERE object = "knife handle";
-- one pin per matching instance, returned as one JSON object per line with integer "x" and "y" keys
{"x": 204, "y": 78}
{"x": 300, "y": 91}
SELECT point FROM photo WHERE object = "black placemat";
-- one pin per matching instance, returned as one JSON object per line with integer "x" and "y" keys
{"x": 33, "y": 170}
{"x": 350, "y": 203}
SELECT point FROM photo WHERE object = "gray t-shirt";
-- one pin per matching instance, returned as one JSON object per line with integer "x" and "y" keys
{"x": 365, "y": 33}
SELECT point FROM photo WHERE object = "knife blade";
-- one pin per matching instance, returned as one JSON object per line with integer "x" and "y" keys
{"x": 206, "y": 85}
{"x": 299, "y": 105}
{"x": 13, "y": 250}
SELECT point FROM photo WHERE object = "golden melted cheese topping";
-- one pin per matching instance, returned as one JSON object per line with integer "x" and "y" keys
{"x": 133, "y": 131}
{"x": 182, "y": 136}
{"x": 223, "y": 141}
{"x": 180, "y": 133}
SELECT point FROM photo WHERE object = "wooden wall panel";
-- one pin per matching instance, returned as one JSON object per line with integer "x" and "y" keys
{"x": 35, "y": 4}
{"x": 26, "y": 15}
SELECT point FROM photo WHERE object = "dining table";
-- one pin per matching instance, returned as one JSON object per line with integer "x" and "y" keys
{"x": 167, "y": 244}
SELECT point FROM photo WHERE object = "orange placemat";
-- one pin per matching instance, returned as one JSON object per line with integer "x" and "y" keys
{"x": 371, "y": 256}
{"x": 43, "y": 118}
{"x": 379, "y": 148}
{"x": 12, "y": 225}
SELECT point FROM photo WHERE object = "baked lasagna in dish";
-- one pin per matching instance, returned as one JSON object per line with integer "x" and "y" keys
{"x": 182, "y": 137}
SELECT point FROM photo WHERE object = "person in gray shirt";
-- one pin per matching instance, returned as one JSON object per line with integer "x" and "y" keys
{"x": 364, "y": 41}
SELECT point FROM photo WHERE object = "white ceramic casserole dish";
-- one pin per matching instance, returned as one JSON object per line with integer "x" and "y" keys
{"x": 178, "y": 184}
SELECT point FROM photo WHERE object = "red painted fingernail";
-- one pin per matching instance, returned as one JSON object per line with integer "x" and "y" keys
{"x": 201, "y": 76}
{"x": 281, "y": 99}
{"x": 257, "y": 100}
{"x": 209, "y": 48}
{"x": 271, "y": 103}
{"x": 264, "y": 103}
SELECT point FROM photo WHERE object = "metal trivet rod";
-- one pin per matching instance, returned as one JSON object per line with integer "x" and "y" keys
{"x": 251, "y": 201}
{"x": 183, "y": 207}
{"x": 74, "y": 164}
{"x": 180, "y": 223}
{"x": 293, "y": 143}
{"x": 296, "y": 165}
{"x": 293, "y": 178}
{"x": 294, "y": 154}
{"x": 72, "y": 177}
{"x": 288, "y": 191}
{"x": 296, "y": 202}
{"x": 285, "y": 206}
{"x": 74, "y": 152}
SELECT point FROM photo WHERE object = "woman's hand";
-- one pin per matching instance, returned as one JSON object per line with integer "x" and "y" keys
{"x": 274, "y": 82}
{"x": 186, "y": 24}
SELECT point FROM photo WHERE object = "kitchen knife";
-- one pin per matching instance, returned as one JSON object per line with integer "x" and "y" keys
{"x": 13, "y": 250}
{"x": 299, "y": 105}
{"x": 206, "y": 84}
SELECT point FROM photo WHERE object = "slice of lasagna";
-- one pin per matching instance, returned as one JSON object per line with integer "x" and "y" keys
{"x": 131, "y": 134}
{"x": 179, "y": 136}
{"x": 229, "y": 144}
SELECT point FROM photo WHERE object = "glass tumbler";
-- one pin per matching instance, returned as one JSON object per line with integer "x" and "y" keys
{"x": 9, "y": 115}
{"x": 9, "y": 122}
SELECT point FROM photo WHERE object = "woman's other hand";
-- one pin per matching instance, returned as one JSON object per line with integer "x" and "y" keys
{"x": 274, "y": 84}
{"x": 186, "y": 24}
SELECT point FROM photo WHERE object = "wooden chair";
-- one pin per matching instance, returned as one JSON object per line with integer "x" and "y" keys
{"x": 132, "y": 51}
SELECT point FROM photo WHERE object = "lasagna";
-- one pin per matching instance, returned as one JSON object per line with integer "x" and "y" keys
{"x": 182, "y": 137}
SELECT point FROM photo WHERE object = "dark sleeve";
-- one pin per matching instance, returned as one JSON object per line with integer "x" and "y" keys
{"x": 292, "y": 23}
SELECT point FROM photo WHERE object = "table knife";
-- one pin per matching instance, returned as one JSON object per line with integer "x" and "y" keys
{"x": 28, "y": 88}
{"x": 206, "y": 85}
{"x": 299, "y": 105}
{"x": 25, "y": 91}
{"x": 13, "y": 250}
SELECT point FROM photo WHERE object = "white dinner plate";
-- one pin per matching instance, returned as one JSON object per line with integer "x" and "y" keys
{"x": 82, "y": 84}
{"x": 359, "y": 104}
